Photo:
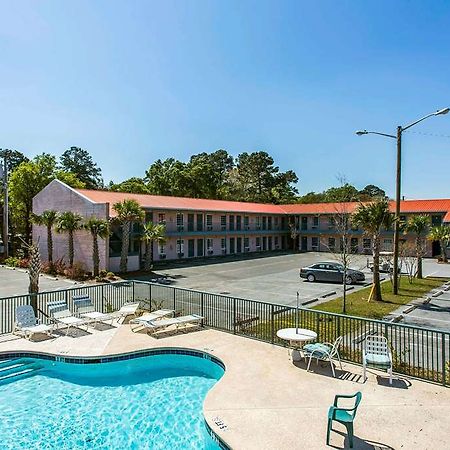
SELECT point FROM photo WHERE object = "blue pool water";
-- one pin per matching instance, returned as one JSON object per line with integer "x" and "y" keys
{"x": 152, "y": 402}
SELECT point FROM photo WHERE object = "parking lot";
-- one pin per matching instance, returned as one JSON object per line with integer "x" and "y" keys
{"x": 15, "y": 282}
{"x": 273, "y": 279}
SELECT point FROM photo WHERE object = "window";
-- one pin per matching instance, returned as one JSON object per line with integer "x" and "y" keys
{"x": 180, "y": 247}
{"x": 258, "y": 243}
{"x": 180, "y": 222}
{"x": 258, "y": 222}
{"x": 190, "y": 222}
{"x": 283, "y": 223}
{"x": 199, "y": 222}
{"x": 315, "y": 222}
{"x": 387, "y": 245}
{"x": 209, "y": 246}
{"x": 246, "y": 223}
{"x": 162, "y": 251}
{"x": 332, "y": 244}
{"x": 331, "y": 222}
{"x": 148, "y": 216}
{"x": 223, "y": 245}
{"x": 238, "y": 222}
{"x": 315, "y": 243}
{"x": 209, "y": 223}
{"x": 162, "y": 218}
{"x": 264, "y": 223}
{"x": 231, "y": 223}
{"x": 269, "y": 223}
{"x": 436, "y": 221}
{"x": 304, "y": 223}
{"x": 246, "y": 244}
{"x": 275, "y": 241}
{"x": 275, "y": 222}
{"x": 354, "y": 245}
{"x": 223, "y": 223}
{"x": 366, "y": 245}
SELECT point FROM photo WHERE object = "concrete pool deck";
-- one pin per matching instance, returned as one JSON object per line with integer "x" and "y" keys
{"x": 267, "y": 402}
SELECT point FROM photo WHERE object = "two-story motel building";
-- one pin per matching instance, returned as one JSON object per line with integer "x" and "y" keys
{"x": 201, "y": 228}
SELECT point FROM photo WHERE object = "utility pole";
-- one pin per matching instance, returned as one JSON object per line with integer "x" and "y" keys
{"x": 398, "y": 137}
{"x": 397, "y": 209}
{"x": 5, "y": 208}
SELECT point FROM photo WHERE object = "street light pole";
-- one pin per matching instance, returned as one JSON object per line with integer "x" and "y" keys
{"x": 398, "y": 137}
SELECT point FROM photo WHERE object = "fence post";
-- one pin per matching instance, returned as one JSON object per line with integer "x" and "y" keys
{"x": 174, "y": 299}
{"x": 444, "y": 375}
{"x": 272, "y": 324}
{"x": 103, "y": 297}
{"x": 134, "y": 296}
{"x": 234, "y": 316}
{"x": 202, "y": 306}
{"x": 150, "y": 295}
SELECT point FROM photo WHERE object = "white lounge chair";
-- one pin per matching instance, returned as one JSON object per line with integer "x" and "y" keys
{"x": 178, "y": 322}
{"x": 61, "y": 314}
{"x": 147, "y": 317}
{"x": 86, "y": 309}
{"x": 27, "y": 323}
{"x": 323, "y": 352}
{"x": 128, "y": 309}
{"x": 377, "y": 354}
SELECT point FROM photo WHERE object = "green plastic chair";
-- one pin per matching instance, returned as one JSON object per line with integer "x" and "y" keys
{"x": 345, "y": 416}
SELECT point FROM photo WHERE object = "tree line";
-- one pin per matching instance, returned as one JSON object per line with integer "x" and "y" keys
{"x": 249, "y": 177}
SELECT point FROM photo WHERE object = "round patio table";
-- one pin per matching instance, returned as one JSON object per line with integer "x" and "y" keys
{"x": 296, "y": 337}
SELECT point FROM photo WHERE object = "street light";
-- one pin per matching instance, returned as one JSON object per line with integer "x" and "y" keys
{"x": 398, "y": 137}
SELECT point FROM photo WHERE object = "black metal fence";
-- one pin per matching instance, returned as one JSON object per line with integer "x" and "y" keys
{"x": 420, "y": 352}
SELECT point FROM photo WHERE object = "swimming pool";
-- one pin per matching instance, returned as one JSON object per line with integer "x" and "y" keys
{"x": 149, "y": 402}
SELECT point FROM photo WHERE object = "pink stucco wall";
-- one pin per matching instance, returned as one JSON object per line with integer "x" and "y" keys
{"x": 59, "y": 197}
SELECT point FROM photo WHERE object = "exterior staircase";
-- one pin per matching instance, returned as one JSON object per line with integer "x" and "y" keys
{"x": 14, "y": 369}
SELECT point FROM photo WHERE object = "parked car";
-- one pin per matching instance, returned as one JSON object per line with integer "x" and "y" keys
{"x": 331, "y": 272}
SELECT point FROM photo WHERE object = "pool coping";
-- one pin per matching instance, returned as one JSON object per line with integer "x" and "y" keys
{"x": 123, "y": 357}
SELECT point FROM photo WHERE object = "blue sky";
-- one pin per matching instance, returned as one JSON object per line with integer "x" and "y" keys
{"x": 133, "y": 81}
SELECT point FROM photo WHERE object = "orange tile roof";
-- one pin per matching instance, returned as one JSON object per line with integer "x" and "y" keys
{"x": 406, "y": 206}
{"x": 199, "y": 204}
{"x": 179, "y": 203}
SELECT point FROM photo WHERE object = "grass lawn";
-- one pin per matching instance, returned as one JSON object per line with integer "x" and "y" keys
{"x": 357, "y": 304}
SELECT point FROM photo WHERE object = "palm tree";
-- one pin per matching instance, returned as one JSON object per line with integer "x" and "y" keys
{"x": 48, "y": 219}
{"x": 418, "y": 225}
{"x": 128, "y": 211}
{"x": 372, "y": 217}
{"x": 152, "y": 233}
{"x": 98, "y": 228}
{"x": 69, "y": 222}
{"x": 441, "y": 234}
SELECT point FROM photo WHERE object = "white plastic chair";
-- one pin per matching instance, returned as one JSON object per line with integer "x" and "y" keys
{"x": 377, "y": 354}
{"x": 323, "y": 352}
{"x": 28, "y": 324}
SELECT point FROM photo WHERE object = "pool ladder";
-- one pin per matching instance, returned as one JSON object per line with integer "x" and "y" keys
{"x": 13, "y": 369}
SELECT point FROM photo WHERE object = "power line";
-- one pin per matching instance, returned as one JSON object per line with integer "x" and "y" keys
{"x": 429, "y": 134}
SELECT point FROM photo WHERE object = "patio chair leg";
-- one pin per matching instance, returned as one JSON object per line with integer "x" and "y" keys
{"x": 390, "y": 376}
{"x": 309, "y": 363}
{"x": 328, "y": 431}
{"x": 349, "y": 427}
{"x": 364, "y": 372}
{"x": 332, "y": 368}
{"x": 339, "y": 359}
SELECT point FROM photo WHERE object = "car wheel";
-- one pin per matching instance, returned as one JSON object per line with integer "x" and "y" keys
{"x": 348, "y": 279}
{"x": 311, "y": 278}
